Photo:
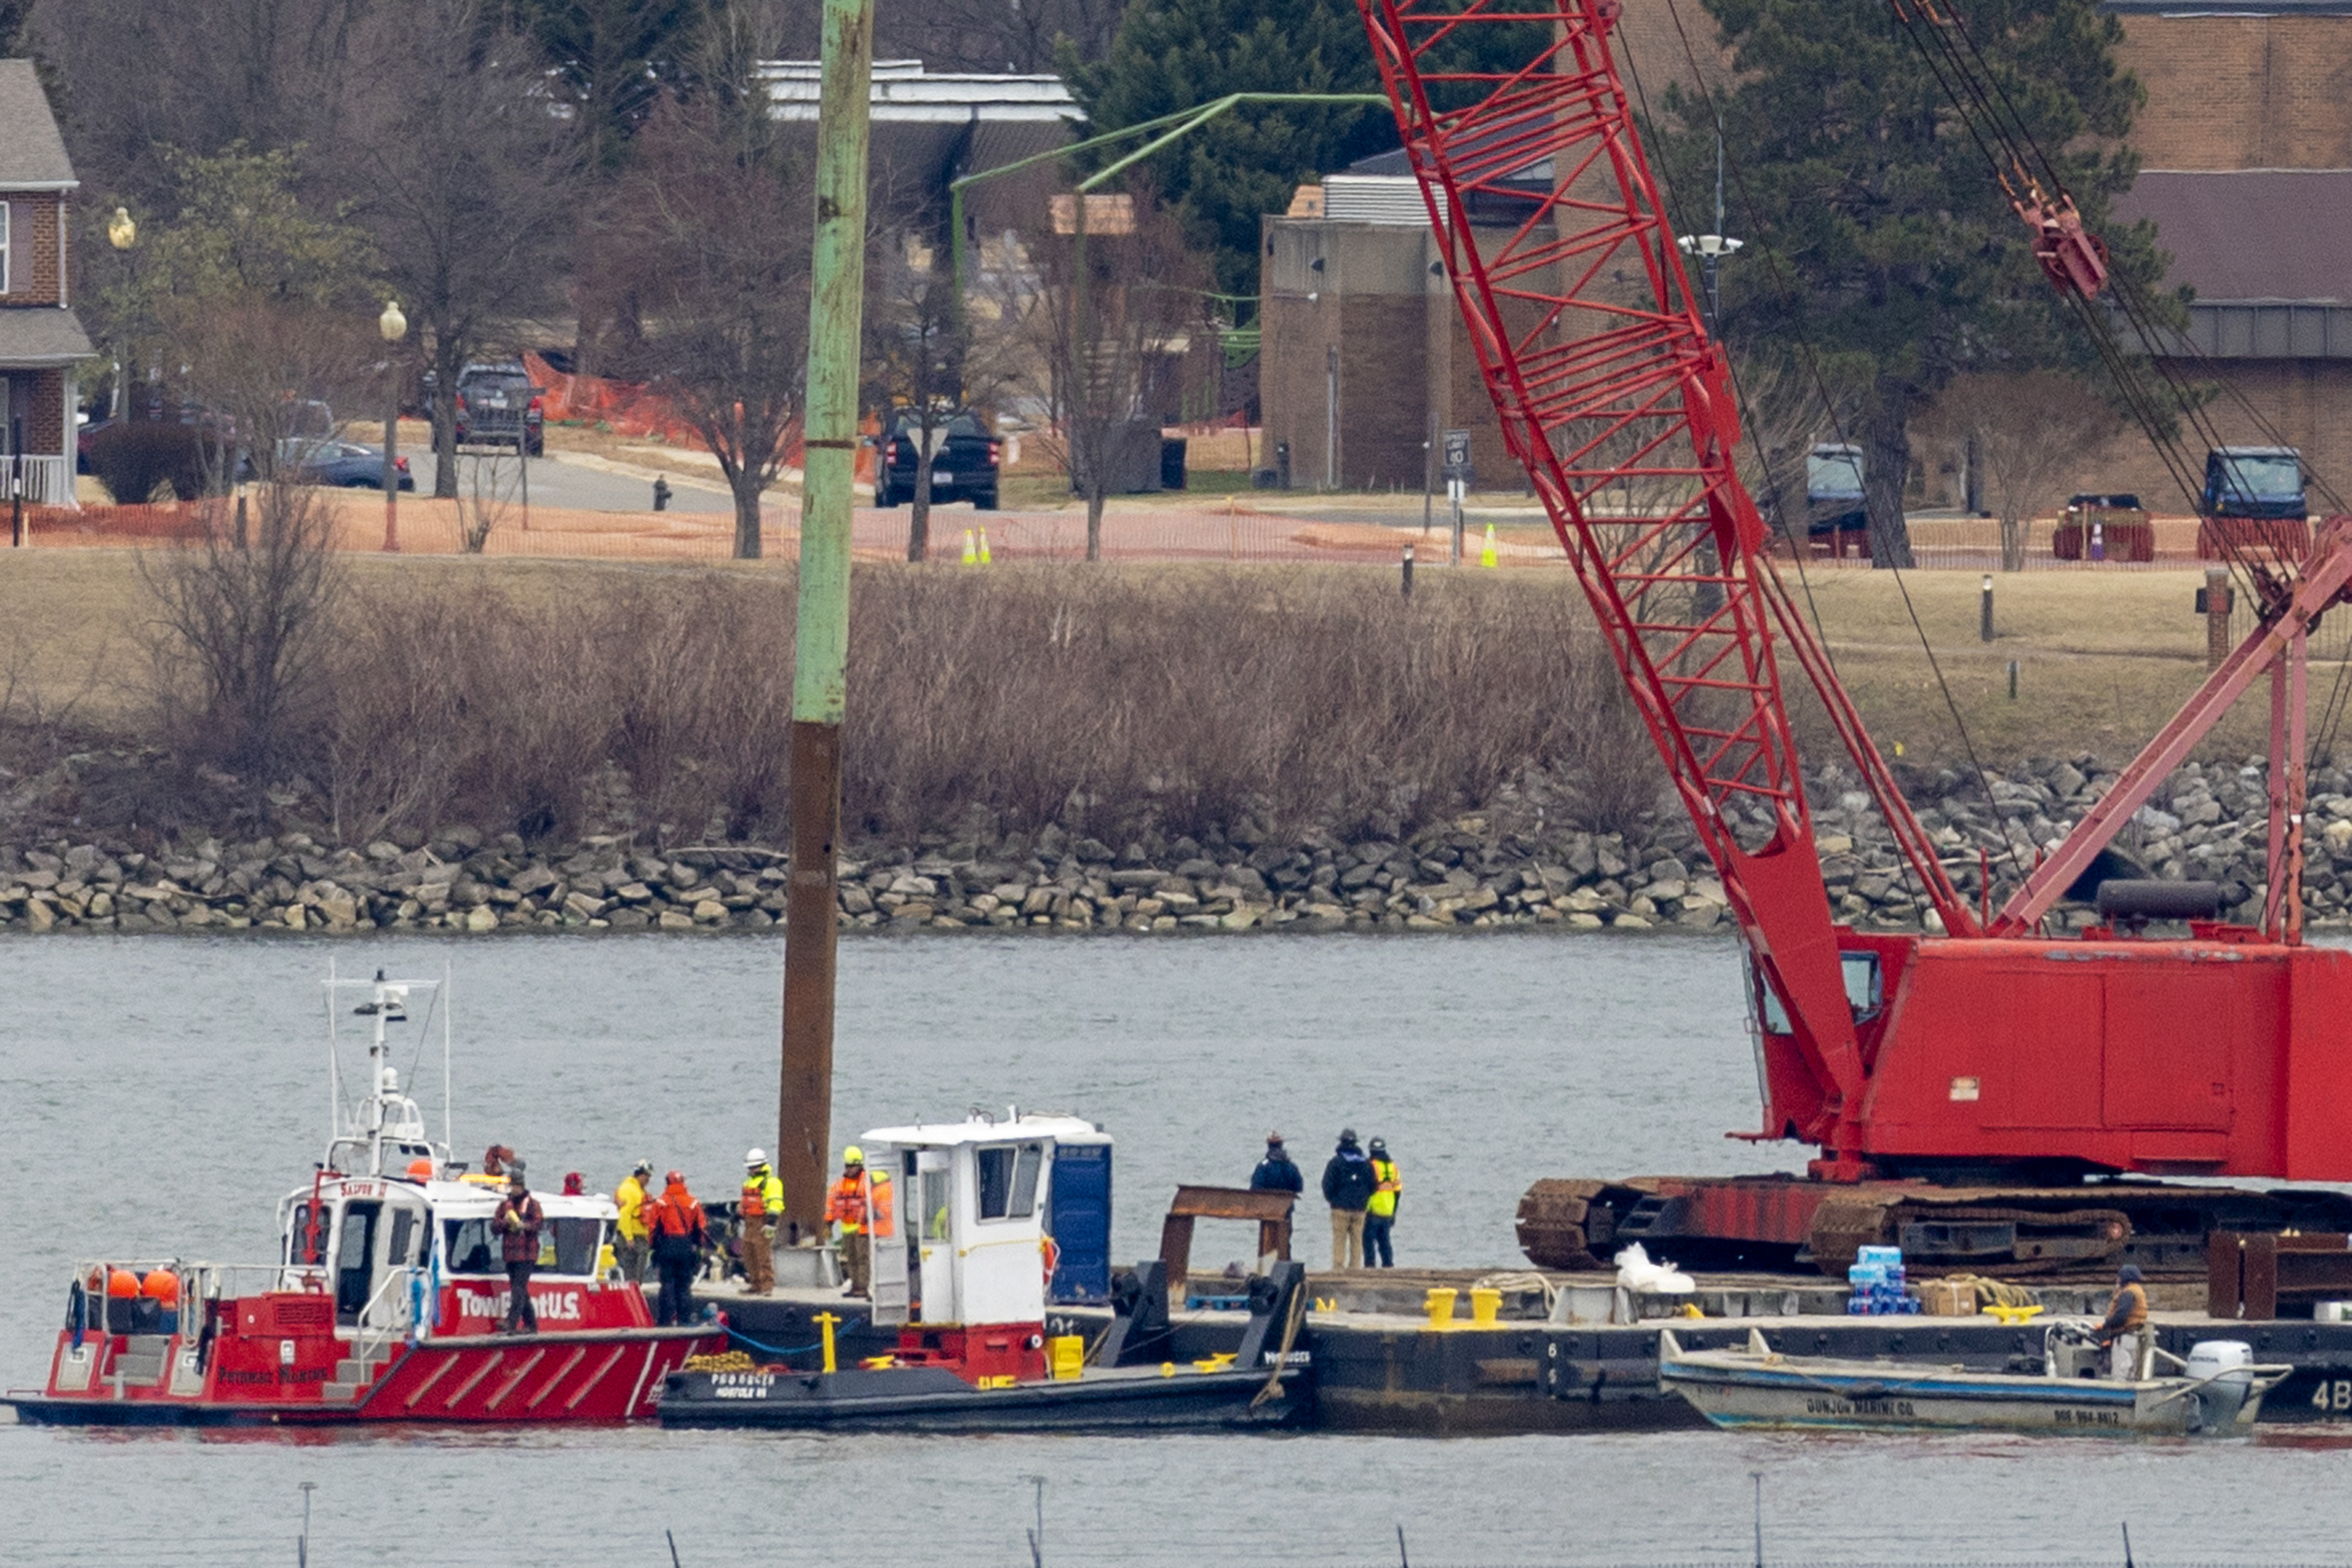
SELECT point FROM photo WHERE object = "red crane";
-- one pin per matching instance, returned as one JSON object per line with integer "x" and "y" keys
{"x": 1985, "y": 1050}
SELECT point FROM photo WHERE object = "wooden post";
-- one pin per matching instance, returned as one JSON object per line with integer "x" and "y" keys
{"x": 821, "y": 632}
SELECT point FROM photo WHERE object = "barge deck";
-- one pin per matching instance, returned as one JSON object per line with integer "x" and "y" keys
{"x": 1383, "y": 1368}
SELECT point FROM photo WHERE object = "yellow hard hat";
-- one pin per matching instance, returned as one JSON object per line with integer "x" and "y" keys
{"x": 853, "y": 1156}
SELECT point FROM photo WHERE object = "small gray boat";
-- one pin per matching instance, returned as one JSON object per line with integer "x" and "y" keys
{"x": 2218, "y": 1390}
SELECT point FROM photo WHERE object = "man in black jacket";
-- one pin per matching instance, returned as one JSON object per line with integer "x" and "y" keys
{"x": 1277, "y": 1172}
{"x": 1348, "y": 1187}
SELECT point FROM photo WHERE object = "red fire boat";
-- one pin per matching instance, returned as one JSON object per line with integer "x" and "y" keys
{"x": 384, "y": 1304}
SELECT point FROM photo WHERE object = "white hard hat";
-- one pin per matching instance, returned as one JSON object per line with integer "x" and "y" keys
{"x": 756, "y": 1157}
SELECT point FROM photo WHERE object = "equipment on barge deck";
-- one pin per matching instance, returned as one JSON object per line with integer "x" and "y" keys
{"x": 1988, "y": 1051}
{"x": 2217, "y": 1391}
{"x": 383, "y": 1304}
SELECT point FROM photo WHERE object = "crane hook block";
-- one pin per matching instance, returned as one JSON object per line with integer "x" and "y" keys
{"x": 2075, "y": 258}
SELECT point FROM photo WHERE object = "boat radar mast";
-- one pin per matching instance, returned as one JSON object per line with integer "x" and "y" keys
{"x": 383, "y": 1132}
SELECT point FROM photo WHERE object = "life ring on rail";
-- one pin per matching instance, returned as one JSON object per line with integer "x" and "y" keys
{"x": 1051, "y": 1255}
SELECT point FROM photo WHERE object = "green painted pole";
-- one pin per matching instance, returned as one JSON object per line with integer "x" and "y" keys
{"x": 821, "y": 633}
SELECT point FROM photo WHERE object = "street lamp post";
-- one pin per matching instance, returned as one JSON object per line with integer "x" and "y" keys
{"x": 122, "y": 232}
{"x": 394, "y": 327}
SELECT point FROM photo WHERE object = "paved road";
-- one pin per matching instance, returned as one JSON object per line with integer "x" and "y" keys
{"x": 556, "y": 482}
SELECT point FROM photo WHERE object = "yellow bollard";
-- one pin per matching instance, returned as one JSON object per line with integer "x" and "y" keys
{"x": 971, "y": 555}
{"x": 1487, "y": 551}
{"x": 1484, "y": 1305}
{"x": 1441, "y": 1306}
{"x": 824, "y": 1321}
{"x": 984, "y": 548}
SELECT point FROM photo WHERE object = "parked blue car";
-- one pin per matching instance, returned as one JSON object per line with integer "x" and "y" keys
{"x": 348, "y": 463}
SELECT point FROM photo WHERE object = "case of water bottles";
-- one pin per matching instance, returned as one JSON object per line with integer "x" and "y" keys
{"x": 1877, "y": 1284}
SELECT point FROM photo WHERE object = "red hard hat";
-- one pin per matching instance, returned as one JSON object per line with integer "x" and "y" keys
{"x": 121, "y": 1283}
{"x": 675, "y": 1178}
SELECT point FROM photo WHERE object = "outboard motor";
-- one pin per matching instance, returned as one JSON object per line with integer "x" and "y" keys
{"x": 2225, "y": 1368}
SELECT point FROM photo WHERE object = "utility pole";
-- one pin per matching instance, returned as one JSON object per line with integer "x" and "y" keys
{"x": 821, "y": 633}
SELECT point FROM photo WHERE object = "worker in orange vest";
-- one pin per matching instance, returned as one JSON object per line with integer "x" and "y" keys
{"x": 759, "y": 1208}
{"x": 679, "y": 1233}
{"x": 859, "y": 1206}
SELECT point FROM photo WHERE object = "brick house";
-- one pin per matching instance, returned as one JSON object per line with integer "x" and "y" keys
{"x": 40, "y": 340}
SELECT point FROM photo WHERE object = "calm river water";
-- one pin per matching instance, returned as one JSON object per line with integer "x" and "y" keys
{"x": 157, "y": 1095}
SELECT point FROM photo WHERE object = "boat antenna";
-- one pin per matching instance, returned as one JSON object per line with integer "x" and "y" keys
{"x": 2127, "y": 1562}
{"x": 1403, "y": 1561}
{"x": 448, "y": 1142}
{"x": 1037, "y": 1536}
{"x": 302, "y": 1542}
{"x": 1757, "y": 1477}
{"x": 335, "y": 1062}
{"x": 671, "y": 1536}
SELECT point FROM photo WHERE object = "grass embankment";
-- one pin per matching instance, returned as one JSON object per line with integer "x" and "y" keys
{"x": 497, "y": 692}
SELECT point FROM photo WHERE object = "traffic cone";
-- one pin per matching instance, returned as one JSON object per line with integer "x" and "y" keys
{"x": 971, "y": 555}
{"x": 1487, "y": 551}
{"x": 984, "y": 547}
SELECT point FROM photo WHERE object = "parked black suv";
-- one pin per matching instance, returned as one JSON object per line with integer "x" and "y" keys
{"x": 498, "y": 406}
{"x": 963, "y": 469}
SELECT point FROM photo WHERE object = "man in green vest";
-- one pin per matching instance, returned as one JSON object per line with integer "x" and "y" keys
{"x": 1380, "y": 1214}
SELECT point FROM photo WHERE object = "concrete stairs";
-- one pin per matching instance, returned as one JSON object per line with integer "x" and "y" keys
{"x": 352, "y": 1374}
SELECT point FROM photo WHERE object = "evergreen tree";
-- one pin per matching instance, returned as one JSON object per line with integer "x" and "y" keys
{"x": 1172, "y": 55}
{"x": 1885, "y": 243}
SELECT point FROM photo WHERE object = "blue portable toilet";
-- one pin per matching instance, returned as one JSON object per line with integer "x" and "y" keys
{"x": 1078, "y": 1209}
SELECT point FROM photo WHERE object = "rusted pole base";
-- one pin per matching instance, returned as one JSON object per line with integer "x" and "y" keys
{"x": 804, "y": 1097}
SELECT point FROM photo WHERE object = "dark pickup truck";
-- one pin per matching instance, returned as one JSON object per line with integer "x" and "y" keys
{"x": 498, "y": 406}
{"x": 963, "y": 469}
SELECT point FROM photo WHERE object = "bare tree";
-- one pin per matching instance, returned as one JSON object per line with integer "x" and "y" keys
{"x": 928, "y": 357}
{"x": 708, "y": 243}
{"x": 468, "y": 180}
{"x": 244, "y": 628}
{"x": 1104, "y": 320}
{"x": 202, "y": 75}
{"x": 2029, "y": 431}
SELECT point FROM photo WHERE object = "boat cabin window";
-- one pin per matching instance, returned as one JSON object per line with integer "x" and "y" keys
{"x": 934, "y": 1200}
{"x": 470, "y": 1248}
{"x": 1008, "y": 1180}
{"x": 570, "y": 1246}
{"x": 566, "y": 1246}
{"x": 405, "y": 1233}
{"x": 306, "y": 1235}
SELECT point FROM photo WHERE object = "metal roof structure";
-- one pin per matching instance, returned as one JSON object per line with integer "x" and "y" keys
{"x": 930, "y": 129}
{"x": 2268, "y": 251}
{"x": 32, "y": 153}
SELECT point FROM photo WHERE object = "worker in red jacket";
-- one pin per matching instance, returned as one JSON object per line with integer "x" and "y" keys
{"x": 518, "y": 1224}
{"x": 679, "y": 1234}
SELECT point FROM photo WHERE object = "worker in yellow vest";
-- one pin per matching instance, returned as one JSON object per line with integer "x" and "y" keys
{"x": 860, "y": 1207}
{"x": 1380, "y": 1214}
{"x": 757, "y": 1210}
{"x": 635, "y": 1247}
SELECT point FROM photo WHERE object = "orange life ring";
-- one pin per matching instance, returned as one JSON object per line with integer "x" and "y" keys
{"x": 1052, "y": 1254}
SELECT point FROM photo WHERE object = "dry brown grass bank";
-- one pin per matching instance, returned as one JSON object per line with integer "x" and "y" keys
{"x": 551, "y": 696}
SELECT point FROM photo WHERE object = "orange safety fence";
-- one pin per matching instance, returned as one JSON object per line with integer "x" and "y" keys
{"x": 630, "y": 408}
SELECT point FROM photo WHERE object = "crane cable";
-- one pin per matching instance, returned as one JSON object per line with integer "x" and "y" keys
{"x": 1811, "y": 362}
{"x": 2261, "y": 582}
